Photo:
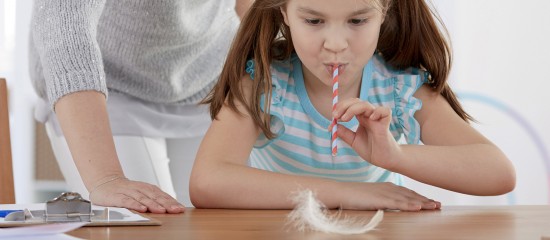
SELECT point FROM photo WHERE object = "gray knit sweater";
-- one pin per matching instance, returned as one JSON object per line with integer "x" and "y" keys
{"x": 162, "y": 51}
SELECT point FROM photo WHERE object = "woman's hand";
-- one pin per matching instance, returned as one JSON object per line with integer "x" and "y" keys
{"x": 372, "y": 140}
{"x": 138, "y": 196}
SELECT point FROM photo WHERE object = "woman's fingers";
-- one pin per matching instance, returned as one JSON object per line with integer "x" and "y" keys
{"x": 123, "y": 200}
{"x": 162, "y": 199}
{"x": 137, "y": 196}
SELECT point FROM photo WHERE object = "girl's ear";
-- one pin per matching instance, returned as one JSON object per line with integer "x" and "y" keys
{"x": 285, "y": 17}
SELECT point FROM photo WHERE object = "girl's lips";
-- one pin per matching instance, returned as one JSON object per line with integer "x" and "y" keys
{"x": 330, "y": 67}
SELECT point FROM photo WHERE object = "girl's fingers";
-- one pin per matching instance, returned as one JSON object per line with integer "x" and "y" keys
{"x": 404, "y": 204}
{"x": 342, "y": 106}
{"x": 361, "y": 108}
{"x": 346, "y": 135}
{"x": 350, "y": 108}
{"x": 331, "y": 126}
{"x": 423, "y": 201}
{"x": 436, "y": 203}
{"x": 379, "y": 113}
{"x": 431, "y": 205}
{"x": 409, "y": 200}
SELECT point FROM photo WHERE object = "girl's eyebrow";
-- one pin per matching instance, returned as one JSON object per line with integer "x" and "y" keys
{"x": 319, "y": 14}
{"x": 362, "y": 11}
{"x": 310, "y": 11}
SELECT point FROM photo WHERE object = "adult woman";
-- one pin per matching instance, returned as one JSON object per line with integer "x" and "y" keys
{"x": 156, "y": 60}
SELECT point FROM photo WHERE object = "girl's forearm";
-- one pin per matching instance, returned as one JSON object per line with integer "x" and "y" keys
{"x": 85, "y": 124}
{"x": 477, "y": 169}
{"x": 236, "y": 186}
{"x": 230, "y": 185}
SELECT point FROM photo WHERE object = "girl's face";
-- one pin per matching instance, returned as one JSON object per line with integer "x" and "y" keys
{"x": 329, "y": 32}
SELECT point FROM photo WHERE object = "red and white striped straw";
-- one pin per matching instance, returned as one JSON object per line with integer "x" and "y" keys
{"x": 334, "y": 139}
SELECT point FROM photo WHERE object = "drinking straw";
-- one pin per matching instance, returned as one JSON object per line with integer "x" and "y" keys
{"x": 334, "y": 139}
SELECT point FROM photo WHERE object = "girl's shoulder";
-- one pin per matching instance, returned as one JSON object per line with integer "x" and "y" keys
{"x": 278, "y": 68}
{"x": 401, "y": 83}
{"x": 280, "y": 72}
{"x": 384, "y": 71}
{"x": 395, "y": 88}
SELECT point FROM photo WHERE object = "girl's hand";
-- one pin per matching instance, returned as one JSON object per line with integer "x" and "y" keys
{"x": 138, "y": 196}
{"x": 386, "y": 196}
{"x": 372, "y": 140}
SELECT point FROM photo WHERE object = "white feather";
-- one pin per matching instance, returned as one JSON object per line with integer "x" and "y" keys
{"x": 310, "y": 213}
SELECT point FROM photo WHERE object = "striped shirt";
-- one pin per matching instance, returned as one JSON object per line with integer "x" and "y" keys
{"x": 303, "y": 146}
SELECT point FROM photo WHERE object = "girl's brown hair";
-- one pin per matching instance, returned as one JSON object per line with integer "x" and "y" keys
{"x": 409, "y": 37}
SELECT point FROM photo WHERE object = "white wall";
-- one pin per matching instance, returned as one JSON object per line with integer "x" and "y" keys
{"x": 500, "y": 73}
{"x": 501, "y": 49}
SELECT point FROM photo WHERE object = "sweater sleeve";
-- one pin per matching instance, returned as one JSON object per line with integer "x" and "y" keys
{"x": 64, "y": 35}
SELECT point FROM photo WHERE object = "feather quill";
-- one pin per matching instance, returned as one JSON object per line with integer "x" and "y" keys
{"x": 311, "y": 214}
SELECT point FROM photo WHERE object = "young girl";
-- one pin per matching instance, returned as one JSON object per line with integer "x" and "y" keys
{"x": 272, "y": 111}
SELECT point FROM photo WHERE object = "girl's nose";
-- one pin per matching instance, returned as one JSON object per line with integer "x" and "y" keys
{"x": 335, "y": 42}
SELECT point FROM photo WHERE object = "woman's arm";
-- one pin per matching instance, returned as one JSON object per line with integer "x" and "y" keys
{"x": 64, "y": 34}
{"x": 85, "y": 124}
{"x": 222, "y": 179}
{"x": 456, "y": 157}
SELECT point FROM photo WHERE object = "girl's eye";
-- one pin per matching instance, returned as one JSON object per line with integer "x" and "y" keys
{"x": 358, "y": 21}
{"x": 314, "y": 21}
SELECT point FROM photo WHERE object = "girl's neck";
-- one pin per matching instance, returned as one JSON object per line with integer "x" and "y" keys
{"x": 320, "y": 94}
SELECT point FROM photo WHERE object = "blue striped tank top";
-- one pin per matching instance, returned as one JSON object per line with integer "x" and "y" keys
{"x": 302, "y": 145}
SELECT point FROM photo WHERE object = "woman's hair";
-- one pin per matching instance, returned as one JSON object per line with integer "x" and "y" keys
{"x": 409, "y": 37}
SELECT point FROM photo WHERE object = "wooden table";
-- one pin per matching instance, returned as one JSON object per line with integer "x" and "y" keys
{"x": 452, "y": 222}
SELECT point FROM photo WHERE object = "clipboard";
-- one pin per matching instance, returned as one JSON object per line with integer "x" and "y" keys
{"x": 71, "y": 207}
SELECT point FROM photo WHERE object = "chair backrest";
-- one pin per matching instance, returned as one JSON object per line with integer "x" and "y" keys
{"x": 7, "y": 191}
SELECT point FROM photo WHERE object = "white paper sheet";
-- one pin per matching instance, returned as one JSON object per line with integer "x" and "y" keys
{"x": 46, "y": 231}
